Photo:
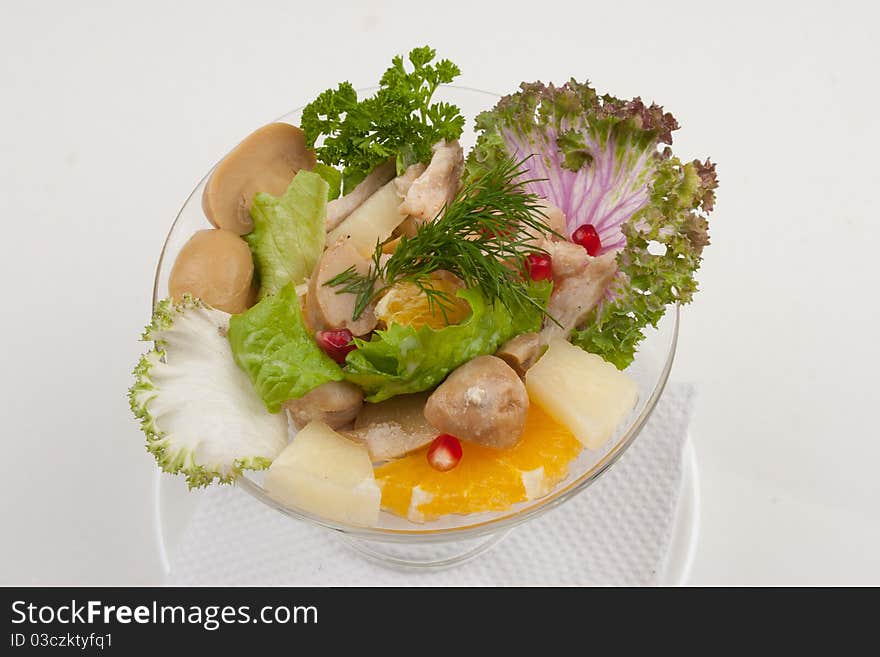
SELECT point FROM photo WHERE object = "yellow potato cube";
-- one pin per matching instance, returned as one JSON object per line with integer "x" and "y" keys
{"x": 375, "y": 219}
{"x": 326, "y": 474}
{"x": 581, "y": 391}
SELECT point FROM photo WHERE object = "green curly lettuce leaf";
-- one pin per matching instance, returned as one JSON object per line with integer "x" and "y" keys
{"x": 272, "y": 345}
{"x": 288, "y": 234}
{"x": 198, "y": 411}
{"x": 599, "y": 159}
{"x": 399, "y": 121}
{"x": 401, "y": 359}
{"x": 664, "y": 242}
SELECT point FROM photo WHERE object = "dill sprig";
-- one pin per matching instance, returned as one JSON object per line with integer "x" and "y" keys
{"x": 483, "y": 236}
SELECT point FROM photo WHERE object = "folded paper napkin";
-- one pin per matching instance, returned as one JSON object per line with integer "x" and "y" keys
{"x": 617, "y": 532}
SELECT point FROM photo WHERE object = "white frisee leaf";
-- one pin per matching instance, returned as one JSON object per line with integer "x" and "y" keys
{"x": 201, "y": 415}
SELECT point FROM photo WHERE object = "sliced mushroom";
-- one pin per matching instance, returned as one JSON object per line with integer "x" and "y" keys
{"x": 394, "y": 427}
{"x": 520, "y": 352}
{"x": 575, "y": 296}
{"x": 483, "y": 401}
{"x": 335, "y": 403}
{"x": 326, "y": 308}
{"x": 338, "y": 209}
{"x": 217, "y": 267}
{"x": 266, "y": 161}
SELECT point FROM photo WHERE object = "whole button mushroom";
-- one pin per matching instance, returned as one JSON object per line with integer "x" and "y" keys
{"x": 216, "y": 266}
{"x": 483, "y": 401}
{"x": 266, "y": 161}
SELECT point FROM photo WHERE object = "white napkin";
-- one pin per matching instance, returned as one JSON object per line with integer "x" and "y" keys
{"x": 617, "y": 532}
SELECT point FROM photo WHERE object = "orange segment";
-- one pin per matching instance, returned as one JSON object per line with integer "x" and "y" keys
{"x": 407, "y": 305}
{"x": 545, "y": 443}
{"x": 485, "y": 479}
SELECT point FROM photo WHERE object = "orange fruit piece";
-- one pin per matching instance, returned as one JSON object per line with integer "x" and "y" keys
{"x": 486, "y": 479}
{"x": 407, "y": 305}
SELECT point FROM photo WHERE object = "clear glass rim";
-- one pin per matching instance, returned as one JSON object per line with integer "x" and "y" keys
{"x": 477, "y": 529}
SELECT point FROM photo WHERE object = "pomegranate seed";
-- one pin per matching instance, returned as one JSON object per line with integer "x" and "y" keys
{"x": 588, "y": 238}
{"x": 444, "y": 452}
{"x": 336, "y": 344}
{"x": 505, "y": 232}
{"x": 539, "y": 266}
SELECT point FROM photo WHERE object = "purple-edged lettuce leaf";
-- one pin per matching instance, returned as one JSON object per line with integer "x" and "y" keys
{"x": 601, "y": 161}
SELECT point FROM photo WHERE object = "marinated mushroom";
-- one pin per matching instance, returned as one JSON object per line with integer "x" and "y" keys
{"x": 483, "y": 401}
{"x": 216, "y": 266}
{"x": 520, "y": 352}
{"x": 393, "y": 428}
{"x": 336, "y": 403}
{"x": 325, "y": 308}
{"x": 266, "y": 161}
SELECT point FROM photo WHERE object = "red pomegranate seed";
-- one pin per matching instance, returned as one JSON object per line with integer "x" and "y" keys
{"x": 539, "y": 266}
{"x": 336, "y": 344}
{"x": 588, "y": 238}
{"x": 505, "y": 232}
{"x": 444, "y": 452}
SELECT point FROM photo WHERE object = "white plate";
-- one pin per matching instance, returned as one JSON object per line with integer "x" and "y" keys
{"x": 175, "y": 506}
{"x": 686, "y": 529}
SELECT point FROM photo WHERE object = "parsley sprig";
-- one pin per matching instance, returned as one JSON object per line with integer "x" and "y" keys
{"x": 484, "y": 236}
{"x": 398, "y": 121}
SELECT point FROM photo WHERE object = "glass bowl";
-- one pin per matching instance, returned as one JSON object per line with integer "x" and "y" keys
{"x": 455, "y": 538}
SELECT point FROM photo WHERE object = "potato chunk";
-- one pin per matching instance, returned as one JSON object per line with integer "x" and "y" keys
{"x": 374, "y": 220}
{"x": 581, "y": 391}
{"x": 325, "y": 474}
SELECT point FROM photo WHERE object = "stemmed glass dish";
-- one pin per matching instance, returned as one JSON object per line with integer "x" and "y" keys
{"x": 454, "y": 538}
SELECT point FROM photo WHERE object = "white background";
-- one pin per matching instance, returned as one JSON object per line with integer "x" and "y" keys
{"x": 111, "y": 113}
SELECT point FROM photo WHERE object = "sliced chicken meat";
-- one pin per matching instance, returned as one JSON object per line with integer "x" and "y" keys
{"x": 404, "y": 182}
{"x": 438, "y": 185}
{"x": 576, "y": 295}
{"x": 568, "y": 258}
{"x": 553, "y": 218}
{"x": 338, "y": 209}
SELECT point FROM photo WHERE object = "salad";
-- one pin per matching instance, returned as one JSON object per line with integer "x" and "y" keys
{"x": 383, "y": 321}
